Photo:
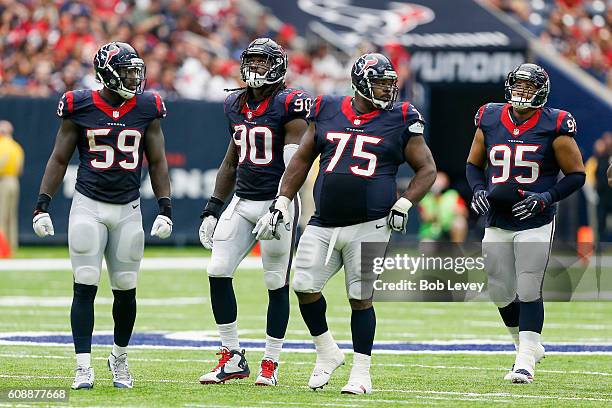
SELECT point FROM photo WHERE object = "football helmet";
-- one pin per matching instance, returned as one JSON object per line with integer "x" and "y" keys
{"x": 372, "y": 71}
{"x": 120, "y": 69}
{"x": 267, "y": 54}
{"x": 525, "y": 98}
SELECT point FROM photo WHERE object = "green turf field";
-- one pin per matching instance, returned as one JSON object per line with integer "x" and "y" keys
{"x": 176, "y": 301}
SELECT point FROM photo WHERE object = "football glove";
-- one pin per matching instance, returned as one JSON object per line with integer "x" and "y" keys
{"x": 42, "y": 225}
{"x": 207, "y": 230}
{"x": 398, "y": 217}
{"x": 531, "y": 205}
{"x": 480, "y": 204}
{"x": 210, "y": 217}
{"x": 267, "y": 226}
{"x": 162, "y": 227}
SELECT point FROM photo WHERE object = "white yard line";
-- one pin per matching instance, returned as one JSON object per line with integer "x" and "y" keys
{"x": 62, "y": 301}
{"x": 310, "y": 363}
{"x": 435, "y": 394}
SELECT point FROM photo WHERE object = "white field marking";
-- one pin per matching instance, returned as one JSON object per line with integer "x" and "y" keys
{"x": 58, "y": 264}
{"x": 562, "y": 326}
{"x": 495, "y": 394}
{"x": 472, "y": 395}
{"x": 311, "y": 363}
{"x": 62, "y": 301}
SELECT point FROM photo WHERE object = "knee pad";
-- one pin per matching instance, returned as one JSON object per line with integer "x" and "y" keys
{"x": 87, "y": 275}
{"x": 359, "y": 291}
{"x": 123, "y": 280}
{"x": 302, "y": 282}
{"x": 220, "y": 268}
{"x": 275, "y": 279}
{"x": 500, "y": 295}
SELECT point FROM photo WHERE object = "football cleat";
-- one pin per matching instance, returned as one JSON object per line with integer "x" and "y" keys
{"x": 232, "y": 364}
{"x": 118, "y": 365}
{"x": 521, "y": 376}
{"x": 324, "y": 367}
{"x": 268, "y": 373}
{"x": 84, "y": 378}
{"x": 539, "y": 355}
{"x": 358, "y": 385}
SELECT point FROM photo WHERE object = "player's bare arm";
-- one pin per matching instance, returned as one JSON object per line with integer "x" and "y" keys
{"x": 65, "y": 143}
{"x": 478, "y": 151}
{"x": 298, "y": 168}
{"x": 568, "y": 155}
{"x": 226, "y": 176}
{"x": 419, "y": 157}
{"x": 156, "y": 156}
{"x": 294, "y": 130}
{"x": 610, "y": 175}
{"x": 160, "y": 181}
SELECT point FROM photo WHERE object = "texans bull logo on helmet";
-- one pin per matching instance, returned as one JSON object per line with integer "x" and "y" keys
{"x": 106, "y": 54}
{"x": 365, "y": 63}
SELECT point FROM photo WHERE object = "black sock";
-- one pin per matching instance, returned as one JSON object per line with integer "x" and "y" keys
{"x": 278, "y": 312}
{"x": 124, "y": 315}
{"x": 363, "y": 327}
{"x": 223, "y": 300}
{"x": 314, "y": 316}
{"x": 82, "y": 316}
{"x": 510, "y": 314}
{"x": 532, "y": 316}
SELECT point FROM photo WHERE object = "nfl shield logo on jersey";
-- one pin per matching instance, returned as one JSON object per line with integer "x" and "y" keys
{"x": 515, "y": 131}
{"x": 115, "y": 114}
{"x": 250, "y": 115}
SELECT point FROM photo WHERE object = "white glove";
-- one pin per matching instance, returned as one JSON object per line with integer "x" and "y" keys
{"x": 162, "y": 227}
{"x": 207, "y": 228}
{"x": 267, "y": 226}
{"x": 42, "y": 225}
{"x": 398, "y": 217}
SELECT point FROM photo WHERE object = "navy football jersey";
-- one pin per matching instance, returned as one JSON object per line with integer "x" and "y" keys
{"x": 359, "y": 159}
{"x": 111, "y": 142}
{"x": 522, "y": 155}
{"x": 258, "y": 130}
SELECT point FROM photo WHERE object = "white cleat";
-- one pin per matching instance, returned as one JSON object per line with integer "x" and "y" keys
{"x": 357, "y": 386}
{"x": 324, "y": 367}
{"x": 118, "y": 366}
{"x": 84, "y": 378}
{"x": 539, "y": 355}
{"x": 521, "y": 376}
{"x": 268, "y": 373}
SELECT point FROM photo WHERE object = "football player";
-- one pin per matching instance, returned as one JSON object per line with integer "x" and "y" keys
{"x": 361, "y": 140}
{"x": 266, "y": 123}
{"x": 518, "y": 149}
{"x": 111, "y": 129}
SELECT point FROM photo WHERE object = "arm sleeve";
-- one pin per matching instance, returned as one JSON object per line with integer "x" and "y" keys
{"x": 476, "y": 177}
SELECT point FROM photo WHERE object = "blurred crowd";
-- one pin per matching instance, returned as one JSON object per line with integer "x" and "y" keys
{"x": 581, "y": 30}
{"x": 191, "y": 47}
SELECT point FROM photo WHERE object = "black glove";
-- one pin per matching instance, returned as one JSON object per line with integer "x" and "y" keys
{"x": 480, "y": 204}
{"x": 532, "y": 204}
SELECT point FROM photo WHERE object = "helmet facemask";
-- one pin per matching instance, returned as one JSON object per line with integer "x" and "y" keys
{"x": 128, "y": 79}
{"x": 258, "y": 69}
{"x": 524, "y": 91}
{"x": 382, "y": 90}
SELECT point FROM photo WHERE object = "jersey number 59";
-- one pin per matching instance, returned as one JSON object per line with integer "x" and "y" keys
{"x": 109, "y": 152}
